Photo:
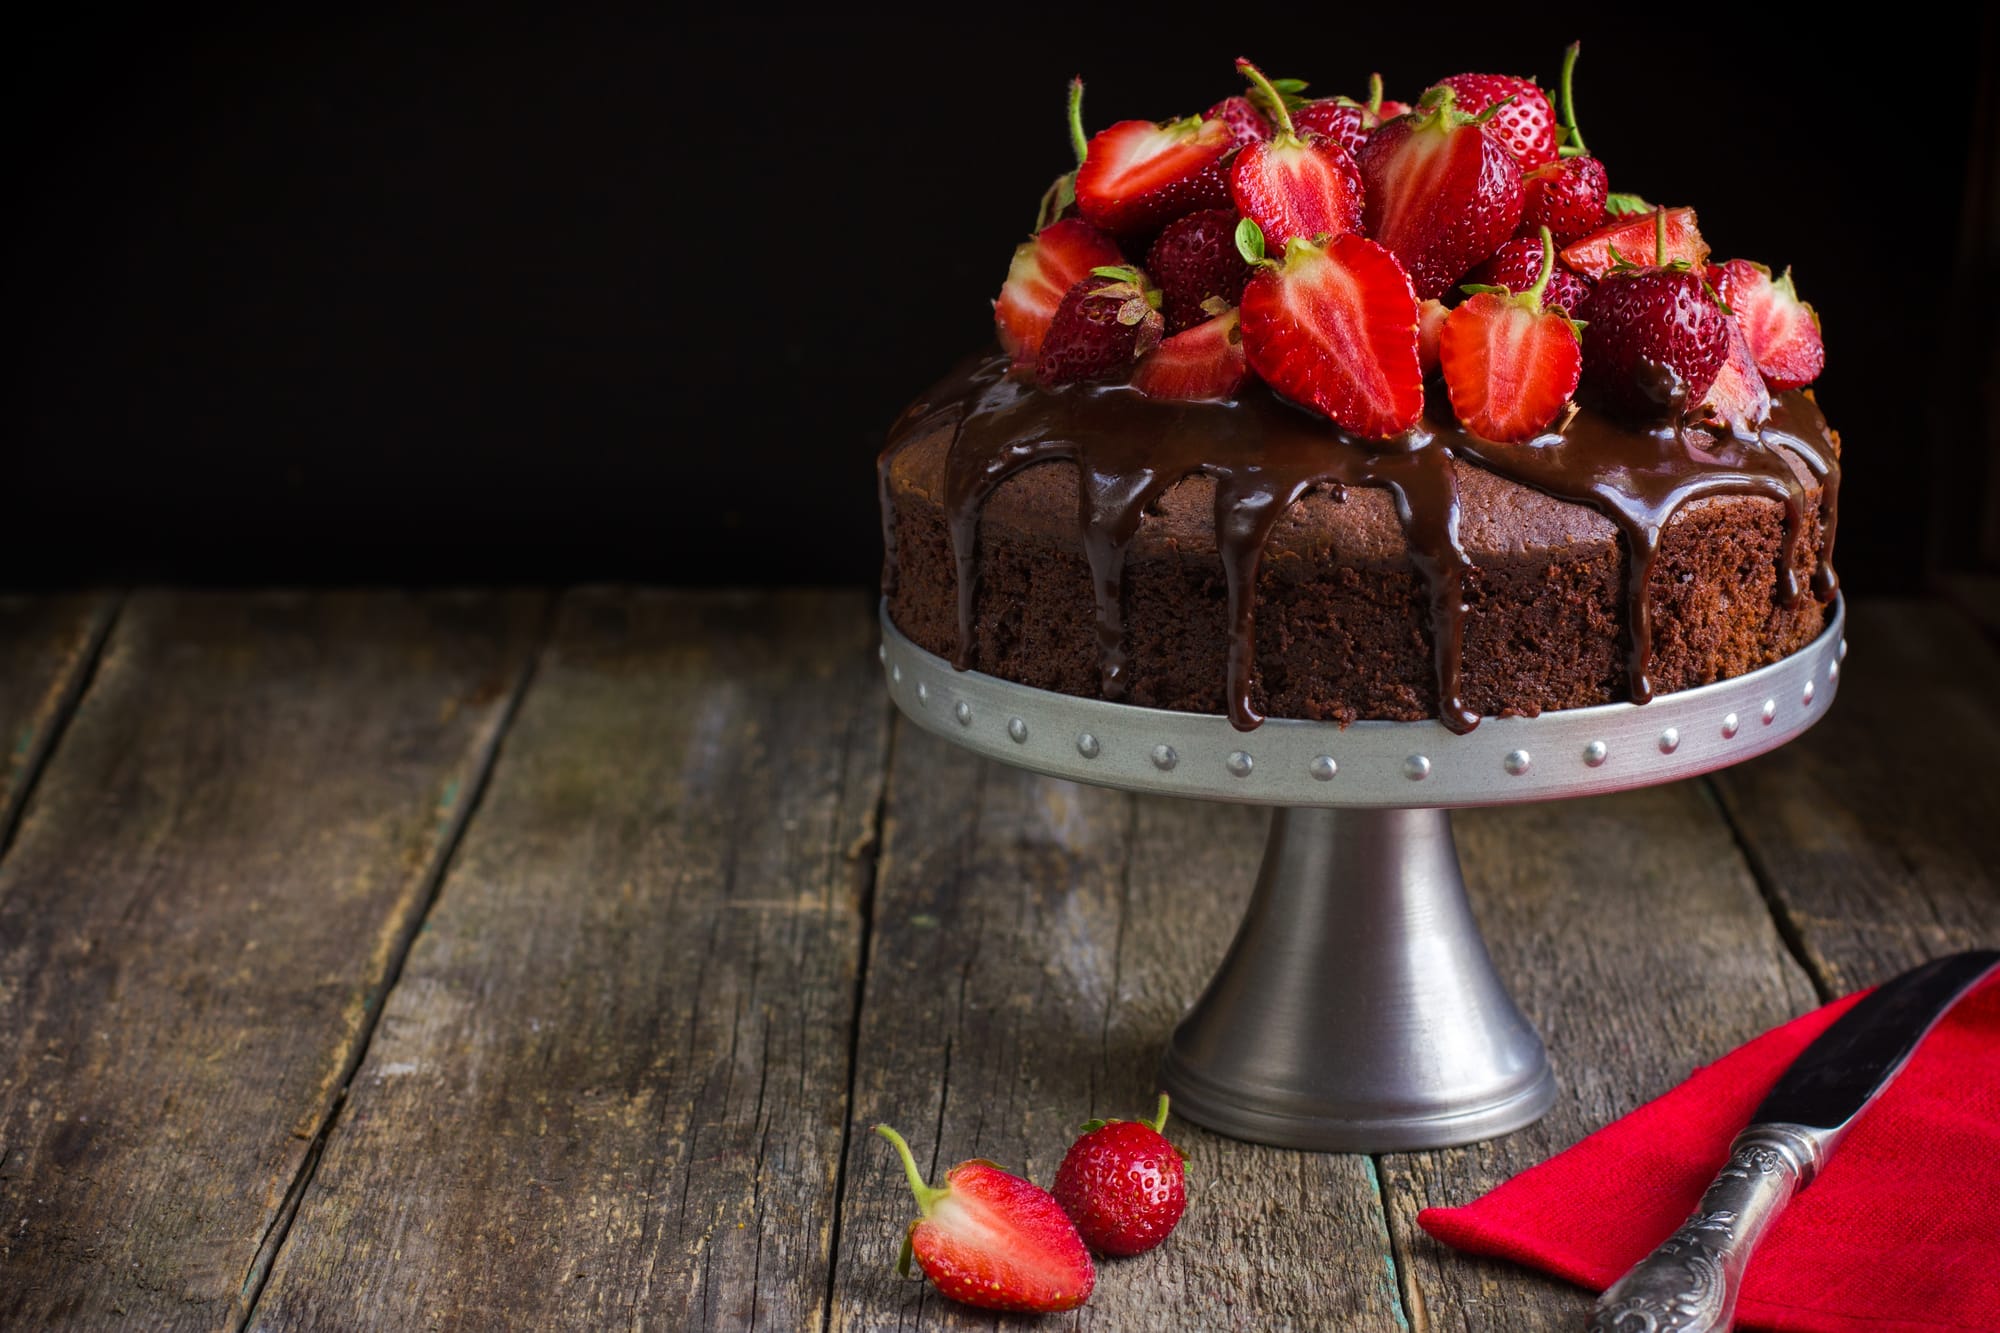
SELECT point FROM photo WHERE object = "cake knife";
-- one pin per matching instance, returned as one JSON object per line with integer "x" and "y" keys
{"x": 1690, "y": 1283}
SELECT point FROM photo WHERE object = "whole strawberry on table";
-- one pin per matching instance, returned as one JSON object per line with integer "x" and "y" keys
{"x": 1350, "y": 253}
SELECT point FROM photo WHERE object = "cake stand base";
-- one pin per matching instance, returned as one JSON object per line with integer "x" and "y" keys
{"x": 1357, "y": 1010}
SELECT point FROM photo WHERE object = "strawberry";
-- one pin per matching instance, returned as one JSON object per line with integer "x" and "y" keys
{"x": 1293, "y": 187}
{"x": 1044, "y": 269}
{"x": 1204, "y": 362}
{"x": 1194, "y": 262}
{"x": 1656, "y": 337}
{"x": 1334, "y": 329}
{"x": 1442, "y": 193}
{"x": 1509, "y": 365}
{"x": 994, "y": 1240}
{"x": 1343, "y": 118}
{"x": 1431, "y": 316}
{"x": 1633, "y": 235}
{"x": 1738, "y": 400}
{"x": 1524, "y": 122}
{"x": 1123, "y": 1184}
{"x": 1137, "y": 176}
{"x": 1106, "y": 321}
{"x": 1246, "y": 123}
{"x": 1782, "y": 330}
{"x": 1567, "y": 195}
{"x": 1517, "y": 264}
{"x": 1059, "y": 200}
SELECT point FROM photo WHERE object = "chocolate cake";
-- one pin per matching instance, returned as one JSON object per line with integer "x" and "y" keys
{"x": 1290, "y": 517}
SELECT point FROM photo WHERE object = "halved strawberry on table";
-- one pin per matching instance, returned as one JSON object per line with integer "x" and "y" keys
{"x": 988, "y": 1238}
{"x": 1044, "y": 268}
{"x": 1510, "y": 363}
{"x": 1334, "y": 329}
{"x": 1782, "y": 331}
{"x": 1293, "y": 187}
{"x": 1137, "y": 176}
{"x": 1441, "y": 192}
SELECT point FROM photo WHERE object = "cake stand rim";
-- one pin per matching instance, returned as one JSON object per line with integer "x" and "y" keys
{"x": 1368, "y": 764}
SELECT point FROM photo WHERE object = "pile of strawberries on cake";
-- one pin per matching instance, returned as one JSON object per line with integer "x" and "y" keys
{"x": 1345, "y": 252}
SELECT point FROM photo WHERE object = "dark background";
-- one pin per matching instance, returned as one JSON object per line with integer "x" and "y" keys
{"x": 456, "y": 296}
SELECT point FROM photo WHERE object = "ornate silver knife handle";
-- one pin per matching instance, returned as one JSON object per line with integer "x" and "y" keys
{"x": 1690, "y": 1283}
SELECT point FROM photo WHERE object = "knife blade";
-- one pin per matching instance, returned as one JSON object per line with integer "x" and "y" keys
{"x": 1690, "y": 1283}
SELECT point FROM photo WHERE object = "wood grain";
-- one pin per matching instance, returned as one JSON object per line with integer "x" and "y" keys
{"x": 47, "y": 645}
{"x": 1034, "y": 942}
{"x": 204, "y": 902}
{"x": 1874, "y": 832}
{"x": 1632, "y": 934}
{"x": 611, "y": 1086}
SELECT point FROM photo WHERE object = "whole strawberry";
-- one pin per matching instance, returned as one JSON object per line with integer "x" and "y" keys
{"x": 1524, "y": 122}
{"x": 1517, "y": 266}
{"x": 1123, "y": 1184}
{"x": 1441, "y": 192}
{"x": 1566, "y": 195}
{"x": 1246, "y": 123}
{"x": 991, "y": 1239}
{"x": 1653, "y": 340}
{"x": 1343, "y": 118}
{"x": 1194, "y": 262}
{"x": 1105, "y": 322}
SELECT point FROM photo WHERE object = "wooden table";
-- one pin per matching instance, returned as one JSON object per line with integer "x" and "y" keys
{"x": 481, "y": 960}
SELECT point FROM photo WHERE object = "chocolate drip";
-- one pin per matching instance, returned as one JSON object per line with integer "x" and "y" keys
{"x": 1796, "y": 424}
{"x": 1264, "y": 455}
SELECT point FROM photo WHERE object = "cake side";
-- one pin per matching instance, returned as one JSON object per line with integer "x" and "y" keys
{"x": 1343, "y": 618}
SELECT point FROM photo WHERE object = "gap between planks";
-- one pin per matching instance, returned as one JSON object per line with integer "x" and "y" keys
{"x": 433, "y": 881}
{"x": 68, "y": 692}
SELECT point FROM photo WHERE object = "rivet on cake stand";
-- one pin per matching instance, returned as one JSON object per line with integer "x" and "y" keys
{"x": 1357, "y": 1009}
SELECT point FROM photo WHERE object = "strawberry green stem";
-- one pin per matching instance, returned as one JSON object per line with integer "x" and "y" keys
{"x": 1159, "y": 1120}
{"x": 927, "y": 1198}
{"x": 1574, "y": 148}
{"x": 1534, "y": 293}
{"x": 1275, "y": 102}
{"x": 1078, "y": 142}
{"x": 1375, "y": 95}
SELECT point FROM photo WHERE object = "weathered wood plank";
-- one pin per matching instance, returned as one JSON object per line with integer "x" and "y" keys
{"x": 1033, "y": 943}
{"x": 207, "y": 895}
{"x": 46, "y": 647}
{"x": 1873, "y": 832}
{"x": 1631, "y": 932}
{"x": 611, "y": 1086}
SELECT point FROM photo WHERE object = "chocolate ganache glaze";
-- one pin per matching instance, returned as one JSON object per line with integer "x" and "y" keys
{"x": 1264, "y": 454}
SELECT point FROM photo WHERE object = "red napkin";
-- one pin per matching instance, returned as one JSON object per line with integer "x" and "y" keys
{"x": 1900, "y": 1233}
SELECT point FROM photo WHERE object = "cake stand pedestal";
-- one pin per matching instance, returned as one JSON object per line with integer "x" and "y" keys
{"x": 1357, "y": 1009}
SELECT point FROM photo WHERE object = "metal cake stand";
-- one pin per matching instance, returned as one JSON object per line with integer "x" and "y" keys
{"x": 1357, "y": 1010}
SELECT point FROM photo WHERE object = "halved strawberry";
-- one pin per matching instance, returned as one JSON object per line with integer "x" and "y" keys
{"x": 1509, "y": 365}
{"x": 1137, "y": 175}
{"x": 1431, "y": 316}
{"x": 991, "y": 1239}
{"x": 1292, "y": 187}
{"x": 1204, "y": 362}
{"x": 1059, "y": 256}
{"x": 1525, "y": 122}
{"x": 1442, "y": 193}
{"x": 1782, "y": 330}
{"x": 1335, "y": 329}
{"x": 1738, "y": 400}
{"x": 1634, "y": 237}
